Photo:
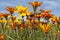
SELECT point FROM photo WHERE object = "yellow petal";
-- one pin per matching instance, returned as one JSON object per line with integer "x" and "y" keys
{"x": 28, "y": 13}
{"x": 23, "y": 14}
{"x": 17, "y": 7}
{"x": 27, "y": 8}
{"x": 21, "y": 7}
{"x": 4, "y": 21}
{"x": 0, "y": 20}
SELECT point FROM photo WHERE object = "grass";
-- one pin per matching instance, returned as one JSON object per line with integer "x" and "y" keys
{"x": 29, "y": 34}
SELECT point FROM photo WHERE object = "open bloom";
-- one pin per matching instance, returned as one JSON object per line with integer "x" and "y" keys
{"x": 21, "y": 9}
{"x": 45, "y": 27}
{"x": 36, "y": 3}
{"x": 46, "y": 14}
{"x": 4, "y": 14}
{"x": 10, "y": 9}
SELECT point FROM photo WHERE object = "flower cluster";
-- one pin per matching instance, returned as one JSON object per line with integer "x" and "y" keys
{"x": 33, "y": 19}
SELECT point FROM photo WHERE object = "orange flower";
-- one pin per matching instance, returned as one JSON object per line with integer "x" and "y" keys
{"x": 1, "y": 14}
{"x": 2, "y": 37}
{"x": 38, "y": 15}
{"x": 45, "y": 27}
{"x": 47, "y": 15}
{"x": 28, "y": 24}
{"x": 21, "y": 28}
{"x": 35, "y": 24}
{"x": 14, "y": 25}
{"x": 36, "y": 3}
{"x": 10, "y": 9}
{"x": 22, "y": 25}
{"x": 54, "y": 19}
{"x": 4, "y": 15}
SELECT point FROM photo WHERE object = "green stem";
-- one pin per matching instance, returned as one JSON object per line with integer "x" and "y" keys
{"x": 46, "y": 35}
{"x": 35, "y": 8}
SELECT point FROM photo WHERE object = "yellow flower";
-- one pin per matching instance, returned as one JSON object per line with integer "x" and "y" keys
{"x": 4, "y": 21}
{"x": 23, "y": 14}
{"x": 9, "y": 21}
{"x": 45, "y": 27}
{"x": 1, "y": 20}
{"x": 17, "y": 21}
{"x": 36, "y": 20}
{"x": 21, "y": 9}
{"x": 9, "y": 16}
{"x": 28, "y": 13}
